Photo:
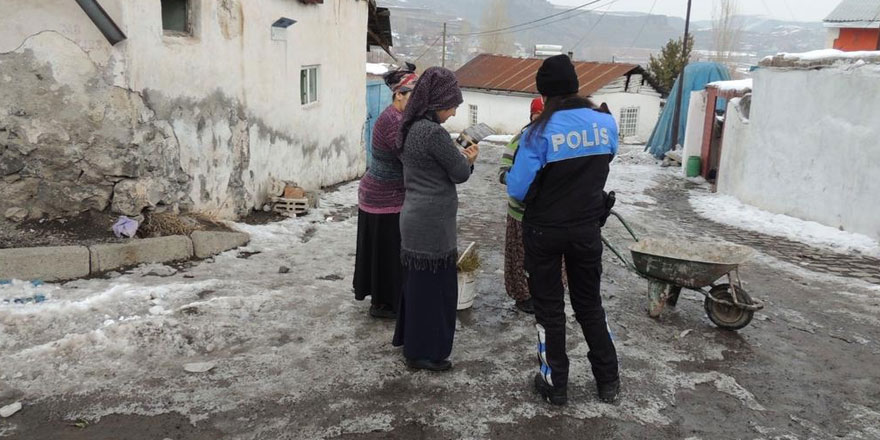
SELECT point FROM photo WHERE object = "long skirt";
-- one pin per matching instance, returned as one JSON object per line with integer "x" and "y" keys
{"x": 515, "y": 281}
{"x": 378, "y": 272}
{"x": 426, "y": 320}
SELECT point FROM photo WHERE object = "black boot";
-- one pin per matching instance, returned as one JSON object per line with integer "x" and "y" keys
{"x": 382, "y": 311}
{"x": 427, "y": 364}
{"x": 554, "y": 395}
{"x": 526, "y": 306}
{"x": 609, "y": 392}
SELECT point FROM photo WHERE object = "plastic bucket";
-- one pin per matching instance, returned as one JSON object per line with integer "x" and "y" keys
{"x": 467, "y": 289}
{"x": 694, "y": 164}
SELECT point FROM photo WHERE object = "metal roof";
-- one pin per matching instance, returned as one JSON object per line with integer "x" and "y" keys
{"x": 855, "y": 11}
{"x": 508, "y": 74}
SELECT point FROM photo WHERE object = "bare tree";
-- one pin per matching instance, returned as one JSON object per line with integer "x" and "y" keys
{"x": 727, "y": 28}
{"x": 496, "y": 16}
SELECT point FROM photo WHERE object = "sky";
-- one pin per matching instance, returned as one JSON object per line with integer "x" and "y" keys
{"x": 796, "y": 10}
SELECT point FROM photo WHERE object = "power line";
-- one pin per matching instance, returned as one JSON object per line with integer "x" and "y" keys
{"x": 790, "y": 11}
{"x": 644, "y": 25}
{"x": 536, "y": 26}
{"x": 595, "y": 25}
{"x": 429, "y": 48}
{"x": 492, "y": 31}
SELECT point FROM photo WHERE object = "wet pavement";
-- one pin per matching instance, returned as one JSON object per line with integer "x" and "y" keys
{"x": 314, "y": 365}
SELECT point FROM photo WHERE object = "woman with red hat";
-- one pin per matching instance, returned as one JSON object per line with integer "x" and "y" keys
{"x": 515, "y": 281}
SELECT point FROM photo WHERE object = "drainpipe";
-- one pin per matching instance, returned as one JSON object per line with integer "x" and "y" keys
{"x": 102, "y": 21}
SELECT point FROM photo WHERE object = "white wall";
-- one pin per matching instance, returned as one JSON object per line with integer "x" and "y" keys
{"x": 831, "y": 36}
{"x": 509, "y": 114}
{"x": 649, "y": 111}
{"x": 693, "y": 136}
{"x": 229, "y": 93}
{"x": 810, "y": 148}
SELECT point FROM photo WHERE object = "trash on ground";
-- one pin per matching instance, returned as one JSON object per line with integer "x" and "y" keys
{"x": 199, "y": 367}
{"x": 10, "y": 409}
{"x": 125, "y": 227}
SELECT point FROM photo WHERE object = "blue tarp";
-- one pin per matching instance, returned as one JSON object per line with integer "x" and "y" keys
{"x": 696, "y": 76}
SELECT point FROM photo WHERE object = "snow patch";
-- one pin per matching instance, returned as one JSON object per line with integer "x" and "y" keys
{"x": 377, "y": 68}
{"x": 729, "y": 210}
{"x": 738, "y": 86}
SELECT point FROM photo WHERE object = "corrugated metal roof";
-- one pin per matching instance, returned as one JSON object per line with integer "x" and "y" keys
{"x": 495, "y": 72}
{"x": 855, "y": 10}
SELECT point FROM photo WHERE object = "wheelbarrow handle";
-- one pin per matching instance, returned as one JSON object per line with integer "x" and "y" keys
{"x": 625, "y": 225}
{"x": 626, "y": 262}
{"x": 629, "y": 264}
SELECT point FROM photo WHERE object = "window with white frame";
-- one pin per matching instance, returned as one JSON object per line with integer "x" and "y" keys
{"x": 629, "y": 121}
{"x": 474, "y": 115}
{"x": 308, "y": 84}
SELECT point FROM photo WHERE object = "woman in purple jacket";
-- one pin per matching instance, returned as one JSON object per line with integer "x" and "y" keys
{"x": 378, "y": 272}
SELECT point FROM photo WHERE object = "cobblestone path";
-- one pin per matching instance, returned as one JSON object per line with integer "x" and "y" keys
{"x": 672, "y": 201}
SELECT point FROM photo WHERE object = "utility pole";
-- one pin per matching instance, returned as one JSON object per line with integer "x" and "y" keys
{"x": 443, "y": 58}
{"x": 676, "y": 119}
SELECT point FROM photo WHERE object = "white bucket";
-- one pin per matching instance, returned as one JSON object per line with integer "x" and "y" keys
{"x": 467, "y": 289}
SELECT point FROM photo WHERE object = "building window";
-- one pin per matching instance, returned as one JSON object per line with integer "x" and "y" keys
{"x": 474, "y": 116}
{"x": 308, "y": 84}
{"x": 629, "y": 121}
{"x": 176, "y": 16}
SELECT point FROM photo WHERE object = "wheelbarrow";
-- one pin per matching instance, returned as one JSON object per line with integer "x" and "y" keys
{"x": 670, "y": 266}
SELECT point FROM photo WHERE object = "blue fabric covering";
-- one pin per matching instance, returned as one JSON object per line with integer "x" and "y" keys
{"x": 696, "y": 76}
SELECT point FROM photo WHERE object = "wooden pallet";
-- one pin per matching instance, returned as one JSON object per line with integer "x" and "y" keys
{"x": 290, "y": 207}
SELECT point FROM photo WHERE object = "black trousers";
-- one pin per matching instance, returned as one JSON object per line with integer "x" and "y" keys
{"x": 582, "y": 249}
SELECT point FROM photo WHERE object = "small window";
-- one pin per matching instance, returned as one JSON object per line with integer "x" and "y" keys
{"x": 474, "y": 115}
{"x": 176, "y": 16}
{"x": 629, "y": 121}
{"x": 308, "y": 84}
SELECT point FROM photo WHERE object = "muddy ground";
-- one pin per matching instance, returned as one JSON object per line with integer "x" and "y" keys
{"x": 297, "y": 358}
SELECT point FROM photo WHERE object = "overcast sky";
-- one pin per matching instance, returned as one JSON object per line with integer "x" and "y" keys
{"x": 798, "y": 10}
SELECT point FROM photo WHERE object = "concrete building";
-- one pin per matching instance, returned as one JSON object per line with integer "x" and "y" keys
{"x": 819, "y": 162}
{"x": 498, "y": 91}
{"x": 179, "y": 104}
{"x": 854, "y": 25}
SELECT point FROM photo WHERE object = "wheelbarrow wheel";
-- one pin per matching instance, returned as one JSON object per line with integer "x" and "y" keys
{"x": 728, "y": 317}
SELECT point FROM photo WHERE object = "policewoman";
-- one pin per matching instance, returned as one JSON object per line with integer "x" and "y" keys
{"x": 559, "y": 173}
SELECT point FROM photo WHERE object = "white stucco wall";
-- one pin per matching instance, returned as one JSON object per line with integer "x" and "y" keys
{"x": 510, "y": 113}
{"x": 810, "y": 148}
{"x": 649, "y": 111}
{"x": 507, "y": 114}
{"x": 229, "y": 92}
{"x": 693, "y": 136}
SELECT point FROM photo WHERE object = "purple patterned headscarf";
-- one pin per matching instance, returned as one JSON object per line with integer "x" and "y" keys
{"x": 437, "y": 89}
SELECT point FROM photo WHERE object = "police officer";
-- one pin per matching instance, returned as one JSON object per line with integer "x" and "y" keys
{"x": 559, "y": 173}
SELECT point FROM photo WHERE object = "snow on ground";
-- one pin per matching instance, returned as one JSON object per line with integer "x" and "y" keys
{"x": 742, "y": 85}
{"x": 632, "y": 173}
{"x": 730, "y": 211}
{"x": 826, "y": 55}
{"x": 377, "y": 68}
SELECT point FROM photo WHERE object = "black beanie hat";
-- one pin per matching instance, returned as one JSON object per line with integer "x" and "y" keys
{"x": 557, "y": 77}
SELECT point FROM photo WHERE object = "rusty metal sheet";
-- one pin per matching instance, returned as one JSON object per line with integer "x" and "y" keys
{"x": 508, "y": 74}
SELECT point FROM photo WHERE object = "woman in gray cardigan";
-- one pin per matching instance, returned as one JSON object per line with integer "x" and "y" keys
{"x": 432, "y": 166}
